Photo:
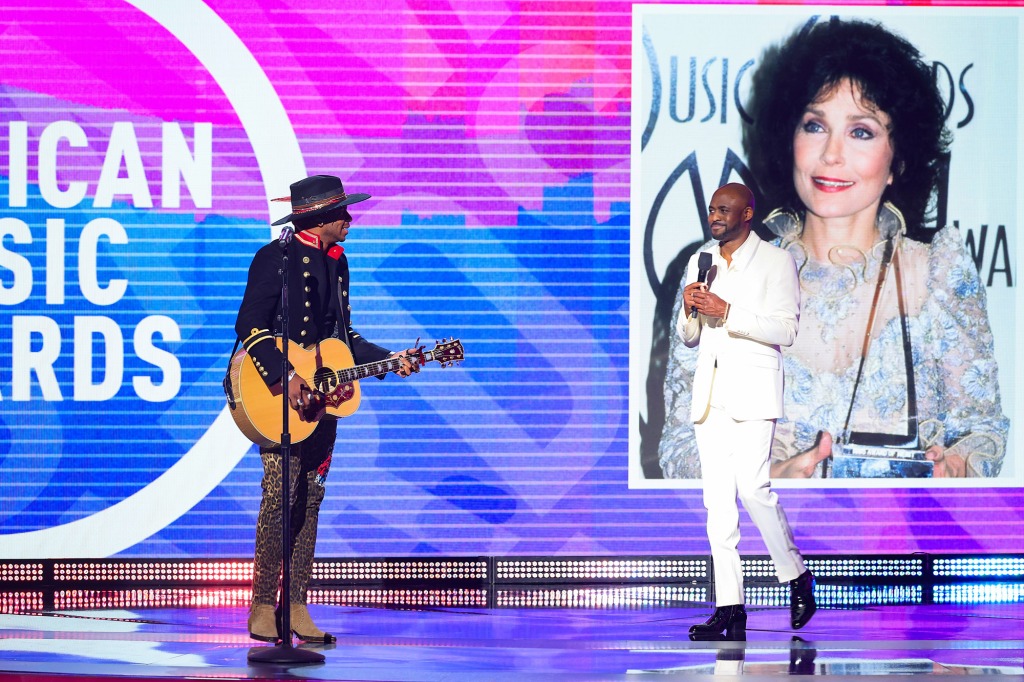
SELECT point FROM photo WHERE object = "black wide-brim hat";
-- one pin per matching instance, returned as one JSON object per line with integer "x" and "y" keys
{"x": 316, "y": 196}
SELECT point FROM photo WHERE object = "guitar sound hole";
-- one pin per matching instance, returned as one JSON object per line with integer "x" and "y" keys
{"x": 325, "y": 380}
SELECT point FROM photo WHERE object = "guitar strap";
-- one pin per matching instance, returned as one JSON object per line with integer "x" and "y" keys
{"x": 342, "y": 324}
{"x": 228, "y": 393}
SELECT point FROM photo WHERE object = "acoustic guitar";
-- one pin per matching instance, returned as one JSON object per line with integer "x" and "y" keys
{"x": 330, "y": 369}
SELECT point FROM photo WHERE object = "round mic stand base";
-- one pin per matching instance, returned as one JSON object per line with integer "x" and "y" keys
{"x": 284, "y": 654}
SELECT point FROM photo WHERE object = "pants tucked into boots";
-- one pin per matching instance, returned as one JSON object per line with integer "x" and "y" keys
{"x": 308, "y": 466}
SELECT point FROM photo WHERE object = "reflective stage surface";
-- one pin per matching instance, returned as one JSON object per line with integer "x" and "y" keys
{"x": 616, "y": 634}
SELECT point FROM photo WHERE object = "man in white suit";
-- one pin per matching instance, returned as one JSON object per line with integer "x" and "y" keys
{"x": 744, "y": 306}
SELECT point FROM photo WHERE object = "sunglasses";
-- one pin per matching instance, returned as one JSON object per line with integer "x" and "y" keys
{"x": 340, "y": 214}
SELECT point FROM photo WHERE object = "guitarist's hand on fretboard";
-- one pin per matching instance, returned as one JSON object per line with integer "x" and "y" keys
{"x": 410, "y": 361}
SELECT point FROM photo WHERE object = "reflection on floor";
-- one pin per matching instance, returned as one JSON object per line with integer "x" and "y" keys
{"x": 578, "y": 633}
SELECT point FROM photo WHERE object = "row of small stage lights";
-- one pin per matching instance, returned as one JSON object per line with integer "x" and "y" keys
{"x": 506, "y": 570}
{"x": 596, "y": 597}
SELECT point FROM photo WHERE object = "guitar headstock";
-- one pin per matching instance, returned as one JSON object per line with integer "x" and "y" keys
{"x": 448, "y": 352}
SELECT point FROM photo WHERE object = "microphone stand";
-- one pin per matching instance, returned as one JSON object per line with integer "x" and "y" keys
{"x": 284, "y": 653}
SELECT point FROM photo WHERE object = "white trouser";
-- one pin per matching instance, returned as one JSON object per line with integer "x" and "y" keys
{"x": 735, "y": 461}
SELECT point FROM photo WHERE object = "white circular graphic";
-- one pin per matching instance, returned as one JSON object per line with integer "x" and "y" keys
{"x": 219, "y": 450}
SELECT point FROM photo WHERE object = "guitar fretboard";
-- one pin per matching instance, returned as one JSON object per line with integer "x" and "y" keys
{"x": 374, "y": 369}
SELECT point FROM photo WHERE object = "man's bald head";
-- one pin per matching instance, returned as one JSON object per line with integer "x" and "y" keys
{"x": 730, "y": 213}
{"x": 740, "y": 191}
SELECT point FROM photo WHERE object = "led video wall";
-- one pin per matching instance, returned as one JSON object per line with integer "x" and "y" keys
{"x": 141, "y": 144}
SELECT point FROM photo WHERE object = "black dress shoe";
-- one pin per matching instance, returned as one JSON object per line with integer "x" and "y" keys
{"x": 732, "y": 620}
{"x": 734, "y": 635}
{"x": 801, "y": 600}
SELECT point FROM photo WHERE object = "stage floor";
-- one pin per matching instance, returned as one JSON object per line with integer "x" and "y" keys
{"x": 480, "y": 643}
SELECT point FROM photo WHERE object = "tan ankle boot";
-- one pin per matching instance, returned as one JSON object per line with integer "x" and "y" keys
{"x": 304, "y": 627}
{"x": 262, "y": 623}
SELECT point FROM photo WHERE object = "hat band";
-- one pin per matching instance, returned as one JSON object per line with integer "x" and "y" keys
{"x": 315, "y": 206}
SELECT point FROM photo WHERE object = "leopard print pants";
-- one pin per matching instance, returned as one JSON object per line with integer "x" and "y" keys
{"x": 308, "y": 466}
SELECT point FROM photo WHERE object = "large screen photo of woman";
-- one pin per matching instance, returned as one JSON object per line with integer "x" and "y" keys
{"x": 882, "y": 151}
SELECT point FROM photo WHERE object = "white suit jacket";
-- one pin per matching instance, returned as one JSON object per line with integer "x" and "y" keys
{"x": 763, "y": 291}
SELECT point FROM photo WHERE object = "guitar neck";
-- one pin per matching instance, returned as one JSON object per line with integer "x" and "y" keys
{"x": 375, "y": 369}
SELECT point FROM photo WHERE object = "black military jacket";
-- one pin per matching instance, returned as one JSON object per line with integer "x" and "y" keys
{"x": 318, "y": 299}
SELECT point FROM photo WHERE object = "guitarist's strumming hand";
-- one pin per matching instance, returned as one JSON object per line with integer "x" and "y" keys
{"x": 410, "y": 359}
{"x": 304, "y": 400}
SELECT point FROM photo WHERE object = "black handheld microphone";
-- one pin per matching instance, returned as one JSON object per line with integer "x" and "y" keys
{"x": 286, "y": 235}
{"x": 703, "y": 265}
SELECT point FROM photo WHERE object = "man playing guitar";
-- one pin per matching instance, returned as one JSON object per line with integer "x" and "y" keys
{"x": 318, "y": 309}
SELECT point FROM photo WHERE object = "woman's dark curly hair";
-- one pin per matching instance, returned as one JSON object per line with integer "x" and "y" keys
{"x": 890, "y": 75}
